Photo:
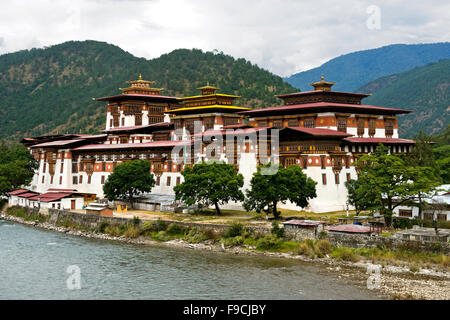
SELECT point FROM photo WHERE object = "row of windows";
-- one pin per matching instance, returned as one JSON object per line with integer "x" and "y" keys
{"x": 168, "y": 181}
{"x": 75, "y": 179}
{"x": 336, "y": 178}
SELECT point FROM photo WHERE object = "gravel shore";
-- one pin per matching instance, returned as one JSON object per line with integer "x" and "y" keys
{"x": 394, "y": 282}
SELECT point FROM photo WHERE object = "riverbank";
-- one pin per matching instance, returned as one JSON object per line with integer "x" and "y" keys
{"x": 396, "y": 282}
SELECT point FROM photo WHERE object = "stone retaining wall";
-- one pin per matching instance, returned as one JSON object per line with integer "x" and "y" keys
{"x": 93, "y": 221}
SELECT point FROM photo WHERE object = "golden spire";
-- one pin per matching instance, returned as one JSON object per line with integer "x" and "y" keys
{"x": 140, "y": 76}
{"x": 322, "y": 84}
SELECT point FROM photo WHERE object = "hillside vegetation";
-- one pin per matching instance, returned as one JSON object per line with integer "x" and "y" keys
{"x": 50, "y": 90}
{"x": 353, "y": 70}
{"x": 425, "y": 90}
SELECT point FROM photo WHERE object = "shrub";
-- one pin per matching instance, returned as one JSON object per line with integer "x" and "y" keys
{"x": 305, "y": 250}
{"x": 323, "y": 247}
{"x": 233, "y": 242}
{"x": 268, "y": 242}
{"x": 174, "y": 229}
{"x": 345, "y": 254}
{"x": 195, "y": 236}
{"x": 235, "y": 230}
{"x": 131, "y": 231}
{"x": 102, "y": 227}
{"x": 136, "y": 221}
{"x": 113, "y": 231}
{"x": 158, "y": 225}
{"x": 276, "y": 230}
{"x": 161, "y": 236}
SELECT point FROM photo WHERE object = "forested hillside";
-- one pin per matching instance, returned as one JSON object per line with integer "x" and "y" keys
{"x": 353, "y": 70}
{"x": 50, "y": 90}
{"x": 425, "y": 90}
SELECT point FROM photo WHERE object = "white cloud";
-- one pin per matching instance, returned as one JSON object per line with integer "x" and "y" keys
{"x": 283, "y": 36}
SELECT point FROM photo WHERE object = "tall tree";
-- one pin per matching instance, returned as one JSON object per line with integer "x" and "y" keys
{"x": 359, "y": 196}
{"x": 17, "y": 167}
{"x": 210, "y": 183}
{"x": 286, "y": 184}
{"x": 128, "y": 180}
{"x": 392, "y": 180}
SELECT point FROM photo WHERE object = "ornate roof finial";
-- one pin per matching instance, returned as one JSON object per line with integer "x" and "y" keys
{"x": 322, "y": 85}
{"x": 140, "y": 76}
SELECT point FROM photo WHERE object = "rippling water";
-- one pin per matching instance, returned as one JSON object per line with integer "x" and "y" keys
{"x": 33, "y": 265}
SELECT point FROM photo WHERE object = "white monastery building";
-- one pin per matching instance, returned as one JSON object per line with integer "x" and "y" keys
{"x": 321, "y": 130}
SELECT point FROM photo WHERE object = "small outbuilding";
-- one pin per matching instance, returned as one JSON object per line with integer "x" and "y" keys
{"x": 99, "y": 208}
{"x": 351, "y": 229}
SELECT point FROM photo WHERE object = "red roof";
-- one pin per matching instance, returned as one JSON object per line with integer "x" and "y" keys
{"x": 379, "y": 140}
{"x": 153, "y": 144}
{"x": 61, "y": 190}
{"x": 321, "y": 91}
{"x": 350, "y": 228}
{"x": 230, "y": 131}
{"x": 56, "y": 143}
{"x": 304, "y": 222}
{"x": 16, "y": 192}
{"x": 28, "y": 194}
{"x": 236, "y": 126}
{"x": 320, "y": 105}
{"x": 319, "y": 131}
{"x": 53, "y": 196}
{"x": 135, "y": 95}
{"x": 160, "y": 124}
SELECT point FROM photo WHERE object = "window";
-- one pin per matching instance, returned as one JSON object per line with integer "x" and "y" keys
{"x": 348, "y": 176}
{"x": 342, "y": 124}
{"x": 123, "y": 122}
{"x": 110, "y": 122}
{"x": 336, "y": 178}
{"x": 116, "y": 121}
{"x": 405, "y": 213}
{"x": 45, "y": 167}
{"x": 208, "y": 123}
{"x": 347, "y": 162}
{"x": 371, "y": 127}
{"x": 262, "y": 123}
{"x": 103, "y": 166}
{"x": 293, "y": 122}
{"x": 158, "y": 180}
{"x": 51, "y": 179}
{"x": 103, "y": 179}
{"x": 81, "y": 179}
{"x": 178, "y": 180}
{"x": 62, "y": 167}
{"x": 178, "y": 124}
{"x": 278, "y": 123}
{"x": 74, "y": 167}
{"x": 324, "y": 178}
{"x": 360, "y": 125}
{"x": 43, "y": 179}
{"x": 322, "y": 162}
{"x": 60, "y": 180}
{"x": 309, "y": 123}
{"x": 138, "y": 120}
{"x": 389, "y": 127}
{"x": 89, "y": 179}
{"x": 168, "y": 181}
{"x": 75, "y": 180}
{"x": 304, "y": 162}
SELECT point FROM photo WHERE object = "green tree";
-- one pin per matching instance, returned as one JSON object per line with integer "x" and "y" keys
{"x": 359, "y": 196}
{"x": 128, "y": 180}
{"x": 17, "y": 167}
{"x": 210, "y": 183}
{"x": 392, "y": 180}
{"x": 286, "y": 184}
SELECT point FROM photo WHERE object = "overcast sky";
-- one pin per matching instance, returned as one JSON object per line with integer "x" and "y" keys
{"x": 284, "y": 36}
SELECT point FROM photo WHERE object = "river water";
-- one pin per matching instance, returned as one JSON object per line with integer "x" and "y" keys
{"x": 33, "y": 265}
